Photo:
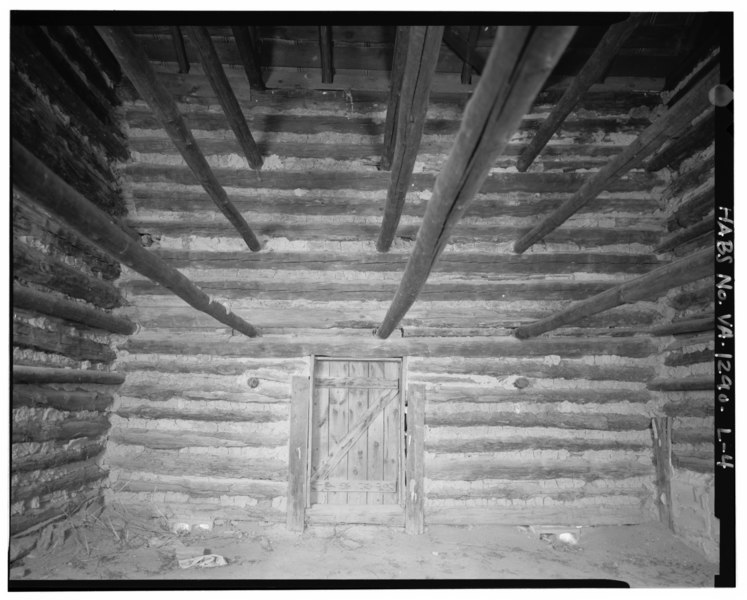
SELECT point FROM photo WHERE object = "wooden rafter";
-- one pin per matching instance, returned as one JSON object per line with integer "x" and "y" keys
{"x": 48, "y": 190}
{"x": 423, "y": 44}
{"x": 464, "y": 50}
{"x": 246, "y": 43}
{"x": 136, "y": 65}
{"x": 589, "y": 74}
{"x": 399, "y": 59}
{"x": 697, "y": 137}
{"x": 213, "y": 69}
{"x": 181, "y": 52}
{"x": 474, "y": 33}
{"x": 325, "y": 48}
{"x": 56, "y": 306}
{"x": 651, "y": 285}
{"x": 520, "y": 61}
{"x": 676, "y": 120}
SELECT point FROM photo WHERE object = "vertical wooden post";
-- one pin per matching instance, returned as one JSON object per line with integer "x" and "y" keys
{"x": 135, "y": 63}
{"x": 414, "y": 494}
{"x": 325, "y": 47}
{"x": 670, "y": 125}
{"x": 298, "y": 453}
{"x": 246, "y": 42}
{"x": 474, "y": 32}
{"x": 662, "y": 434}
{"x": 423, "y": 47}
{"x": 590, "y": 73}
{"x": 179, "y": 49}
{"x": 395, "y": 89}
{"x": 519, "y": 63}
{"x": 213, "y": 69}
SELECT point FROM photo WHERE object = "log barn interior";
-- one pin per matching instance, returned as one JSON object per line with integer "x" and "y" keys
{"x": 409, "y": 279}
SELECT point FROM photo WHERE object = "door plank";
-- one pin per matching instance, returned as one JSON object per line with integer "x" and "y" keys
{"x": 376, "y": 437}
{"x": 356, "y": 382}
{"x": 346, "y": 485}
{"x": 331, "y": 464}
{"x": 338, "y": 428}
{"x": 357, "y": 456}
{"x": 319, "y": 427}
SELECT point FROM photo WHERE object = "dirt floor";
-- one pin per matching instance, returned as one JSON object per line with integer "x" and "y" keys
{"x": 641, "y": 556}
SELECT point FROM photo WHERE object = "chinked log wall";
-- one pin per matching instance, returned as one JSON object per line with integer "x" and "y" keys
{"x": 685, "y": 378}
{"x": 63, "y": 289}
{"x": 554, "y": 429}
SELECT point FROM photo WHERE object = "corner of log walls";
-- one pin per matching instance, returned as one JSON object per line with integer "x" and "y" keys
{"x": 63, "y": 109}
{"x": 684, "y": 383}
{"x": 550, "y": 430}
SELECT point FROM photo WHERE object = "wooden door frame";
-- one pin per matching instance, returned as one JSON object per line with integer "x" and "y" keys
{"x": 409, "y": 513}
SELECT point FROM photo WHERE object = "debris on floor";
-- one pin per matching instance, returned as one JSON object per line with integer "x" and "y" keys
{"x": 119, "y": 545}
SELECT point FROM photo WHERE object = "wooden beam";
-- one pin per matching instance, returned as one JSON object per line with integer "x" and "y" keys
{"x": 589, "y": 74}
{"x": 298, "y": 452}
{"x": 462, "y": 48}
{"x": 181, "y": 53}
{"x": 662, "y": 434}
{"x": 676, "y": 120}
{"x": 52, "y": 193}
{"x": 415, "y": 467}
{"x": 650, "y": 285}
{"x": 213, "y": 69}
{"x": 250, "y": 58}
{"x": 137, "y": 67}
{"x": 24, "y": 374}
{"x": 325, "y": 47}
{"x": 72, "y": 401}
{"x": 695, "y": 325}
{"x": 697, "y": 137}
{"x": 423, "y": 45}
{"x": 56, "y": 306}
{"x": 396, "y": 73}
{"x": 671, "y": 242}
{"x": 513, "y": 76}
{"x": 686, "y": 384}
{"x": 474, "y": 33}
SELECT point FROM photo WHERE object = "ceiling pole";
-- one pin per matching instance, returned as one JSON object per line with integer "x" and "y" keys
{"x": 698, "y": 136}
{"x": 48, "y": 190}
{"x": 462, "y": 48}
{"x": 325, "y": 47}
{"x": 179, "y": 49}
{"x": 136, "y": 65}
{"x": 250, "y": 58}
{"x": 219, "y": 82}
{"x": 472, "y": 36}
{"x": 399, "y": 58}
{"x": 423, "y": 45}
{"x": 590, "y": 73}
{"x": 651, "y": 285}
{"x": 520, "y": 61}
{"x": 670, "y": 125}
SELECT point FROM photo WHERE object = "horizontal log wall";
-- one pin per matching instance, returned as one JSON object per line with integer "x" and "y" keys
{"x": 64, "y": 332}
{"x": 549, "y": 430}
{"x": 685, "y": 383}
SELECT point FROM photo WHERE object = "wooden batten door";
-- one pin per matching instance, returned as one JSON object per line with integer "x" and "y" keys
{"x": 357, "y": 441}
